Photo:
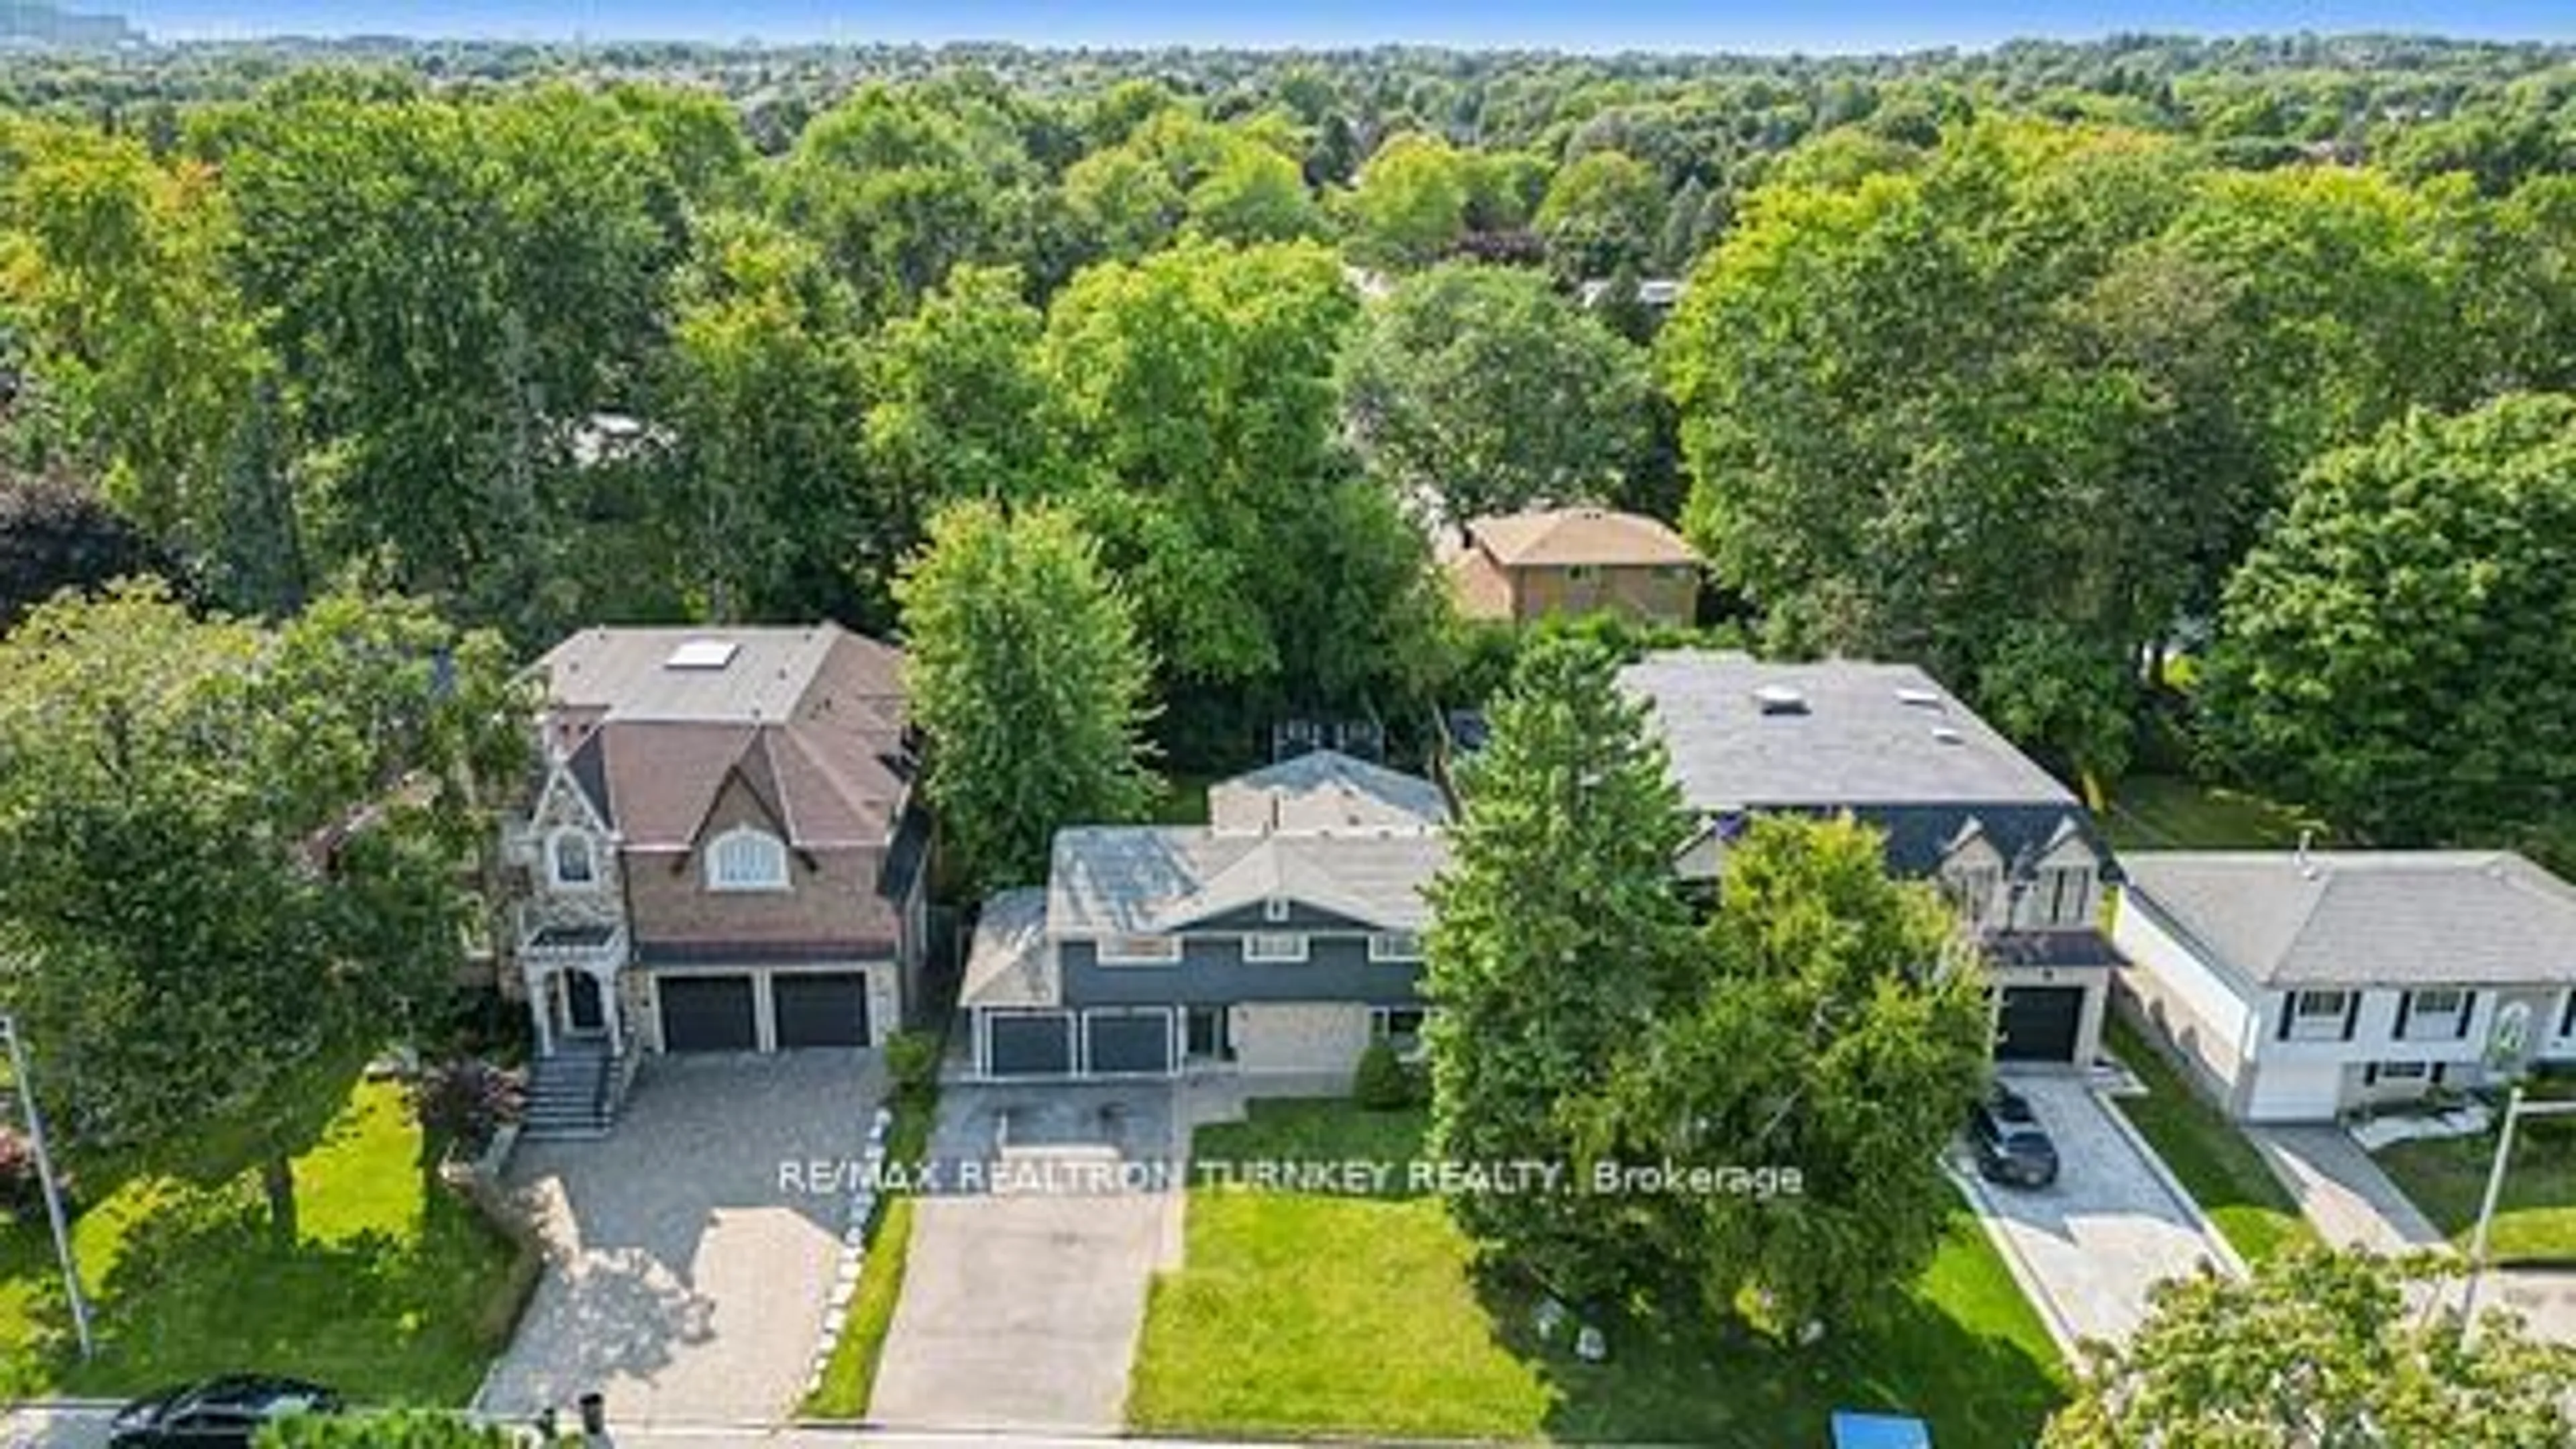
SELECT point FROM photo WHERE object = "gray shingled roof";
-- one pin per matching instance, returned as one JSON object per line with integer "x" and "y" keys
{"x": 1142, "y": 879}
{"x": 2366, "y": 918}
{"x": 1325, "y": 790}
{"x": 1009, "y": 963}
{"x": 1870, "y": 734}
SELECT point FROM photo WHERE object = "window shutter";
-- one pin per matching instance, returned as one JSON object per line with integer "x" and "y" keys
{"x": 2567, "y": 1016}
{"x": 2405, "y": 1009}
{"x": 2351, "y": 1015}
{"x": 2289, "y": 1013}
{"x": 2468, "y": 1008}
{"x": 2370, "y": 1075}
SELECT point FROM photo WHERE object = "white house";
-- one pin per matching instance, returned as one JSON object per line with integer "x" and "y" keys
{"x": 2300, "y": 985}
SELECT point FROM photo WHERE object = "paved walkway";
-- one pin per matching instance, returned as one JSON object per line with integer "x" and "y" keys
{"x": 2088, "y": 1249}
{"x": 1024, "y": 1288}
{"x": 689, "y": 1268}
{"x": 2341, "y": 1191}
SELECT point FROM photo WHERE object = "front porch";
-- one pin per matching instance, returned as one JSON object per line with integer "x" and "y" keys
{"x": 575, "y": 976}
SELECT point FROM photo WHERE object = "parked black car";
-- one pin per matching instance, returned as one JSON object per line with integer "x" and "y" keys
{"x": 219, "y": 1413}
{"x": 2012, "y": 1148}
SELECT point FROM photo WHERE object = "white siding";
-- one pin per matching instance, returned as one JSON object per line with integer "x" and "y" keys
{"x": 2199, "y": 1009}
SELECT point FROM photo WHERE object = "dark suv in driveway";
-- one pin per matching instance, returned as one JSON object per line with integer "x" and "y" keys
{"x": 2011, "y": 1147}
{"x": 222, "y": 1413}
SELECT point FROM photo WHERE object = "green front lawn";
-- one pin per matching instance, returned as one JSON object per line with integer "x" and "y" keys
{"x": 389, "y": 1291}
{"x": 2222, "y": 1171}
{"x": 2164, "y": 812}
{"x": 1306, "y": 1314}
{"x": 2535, "y": 1219}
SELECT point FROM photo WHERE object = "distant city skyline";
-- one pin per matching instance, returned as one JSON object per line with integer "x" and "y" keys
{"x": 1817, "y": 26}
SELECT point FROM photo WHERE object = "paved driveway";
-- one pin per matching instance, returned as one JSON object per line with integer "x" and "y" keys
{"x": 1024, "y": 1291}
{"x": 2088, "y": 1249}
{"x": 689, "y": 1275}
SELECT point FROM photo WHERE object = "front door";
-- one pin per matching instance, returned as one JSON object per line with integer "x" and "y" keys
{"x": 584, "y": 1013}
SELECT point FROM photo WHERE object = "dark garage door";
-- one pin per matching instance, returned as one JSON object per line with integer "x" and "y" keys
{"x": 1130, "y": 1042}
{"x": 707, "y": 1014}
{"x": 820, "y": 1009}
{"x": 1031, "y": 1046}
{"x": 2039, "y": 1023}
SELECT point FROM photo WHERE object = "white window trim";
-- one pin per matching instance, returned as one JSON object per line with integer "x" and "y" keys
{"x": 1274, "y": 909}
{"x": 2299, "y": 1004}
{"x": 2405, "y": 1071}
{"x": 554, "y": 859}
{"x": 2065, "y": 881}
{"x": 1256, "y": 957}
{"x": 1118, "y": 951}
{"x": 1383, "y": 947}
{"x": 713, "y": 874}
{"x": 1381, "y": 1024}
{"x": 2423, "y": 1023}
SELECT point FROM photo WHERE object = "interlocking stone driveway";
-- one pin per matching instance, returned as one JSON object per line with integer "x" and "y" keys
{"x": 687, "y": 1282}
{"x": 1022, "y": 1302}
{"x": 2090, "y": 1247}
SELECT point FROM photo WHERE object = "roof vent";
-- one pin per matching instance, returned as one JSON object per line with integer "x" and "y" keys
{"x": 1780, "y": 699}
{"x": 702, "y": 654}
{"x": 1919, "y": 698}
{"x": 1948, "y": 736}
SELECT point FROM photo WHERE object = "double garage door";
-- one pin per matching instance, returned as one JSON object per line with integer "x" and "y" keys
{"x": 721, "y": 1012}
{"x": 1101, "y": 1043}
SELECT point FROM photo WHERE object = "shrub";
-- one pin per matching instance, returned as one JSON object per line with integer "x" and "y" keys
{"x": 468, "y": 1100}
{"x": 397, "y": 1429}
{"x": 1383, "y": 1082}
{"x": 912, "y": 1059}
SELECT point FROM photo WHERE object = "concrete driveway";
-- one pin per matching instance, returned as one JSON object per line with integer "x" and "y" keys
{"x": 2088, "y": 1249}
{"x": 688, "y": 1272}
{"x": 1024, "y": 1291}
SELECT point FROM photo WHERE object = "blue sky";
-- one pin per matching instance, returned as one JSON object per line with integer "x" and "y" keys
{"x": 1808, "y": 25}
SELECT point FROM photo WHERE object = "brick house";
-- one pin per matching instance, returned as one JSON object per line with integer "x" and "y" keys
{"x": 1525, "y": 566}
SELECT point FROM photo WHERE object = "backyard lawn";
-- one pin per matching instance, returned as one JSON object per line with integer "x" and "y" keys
{"x": 1302, "y": 1314}
{"x": 394, "y": 1289}
{"x": 2536, "y": 1219}
{"x": 2219, "y": 1167}
{"x": 2165, "y": 812}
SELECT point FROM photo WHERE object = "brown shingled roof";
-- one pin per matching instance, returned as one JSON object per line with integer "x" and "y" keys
{"x": 1579, "y": 536}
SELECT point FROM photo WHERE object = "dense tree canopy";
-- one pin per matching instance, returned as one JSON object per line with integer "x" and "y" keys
{"x": 2318, "y": 1349}
{"x": 1024, "y": 670}
{"x": 234, "y": 851}
{"x": 1474, "y": 390}
{"x": 2395, "y": 651}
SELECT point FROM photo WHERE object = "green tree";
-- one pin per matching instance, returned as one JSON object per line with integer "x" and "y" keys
{"x": 761, "y": 389}
{"x": 1409, "y": 206}
{"x": 1603, "y": 212}
{"x": 1836, "y": 1025}
{"x": 57, "y": 534}
{"x": 1025, "y": 673}
{"x": 233, "y": 852}
{"x": 956, "y": 409}
{"x": 2393, "y": 652}
{"x": 1474, "y": 390}
{"x": 1556, "y": 939}
{"x": 2317, "y": 1349}
{"x": 1254, "y": 195}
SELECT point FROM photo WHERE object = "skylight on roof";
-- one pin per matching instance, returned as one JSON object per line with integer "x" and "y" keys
{"x": 702, "y": 654}
{"x": 1780, "y": 699}
{"x": 1920, "y": 698}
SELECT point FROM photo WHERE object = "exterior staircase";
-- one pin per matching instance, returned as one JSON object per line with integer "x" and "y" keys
{"x": 572, "y": 1094}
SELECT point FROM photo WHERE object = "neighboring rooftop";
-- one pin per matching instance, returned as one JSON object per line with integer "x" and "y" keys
{"x": 2366, "y": 918}
{"x": 1141, "y": 879}
{"x": 654, "y": 723}
{"x": 1322, "y": 791}
{"x": 1008, "y": 963}
{"x": 1562, "y": 536}
{"x": 1745, "y": 733}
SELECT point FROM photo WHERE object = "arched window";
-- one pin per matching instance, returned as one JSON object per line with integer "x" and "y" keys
{"x": 744, "y": 859}
{"x": 569, "y": 861}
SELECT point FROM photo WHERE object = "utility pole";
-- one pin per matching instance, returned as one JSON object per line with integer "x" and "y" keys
{"x": 2515, "y": 1109}
{"x": 45, "y": 1174}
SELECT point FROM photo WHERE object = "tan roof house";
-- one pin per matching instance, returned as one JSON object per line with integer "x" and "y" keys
{"x": 1525, "y": 566}
{"x": 723, "y": 854}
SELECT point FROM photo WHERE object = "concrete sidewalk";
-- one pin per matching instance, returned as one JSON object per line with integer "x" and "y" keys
{"x": 2342, "y": 1192}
